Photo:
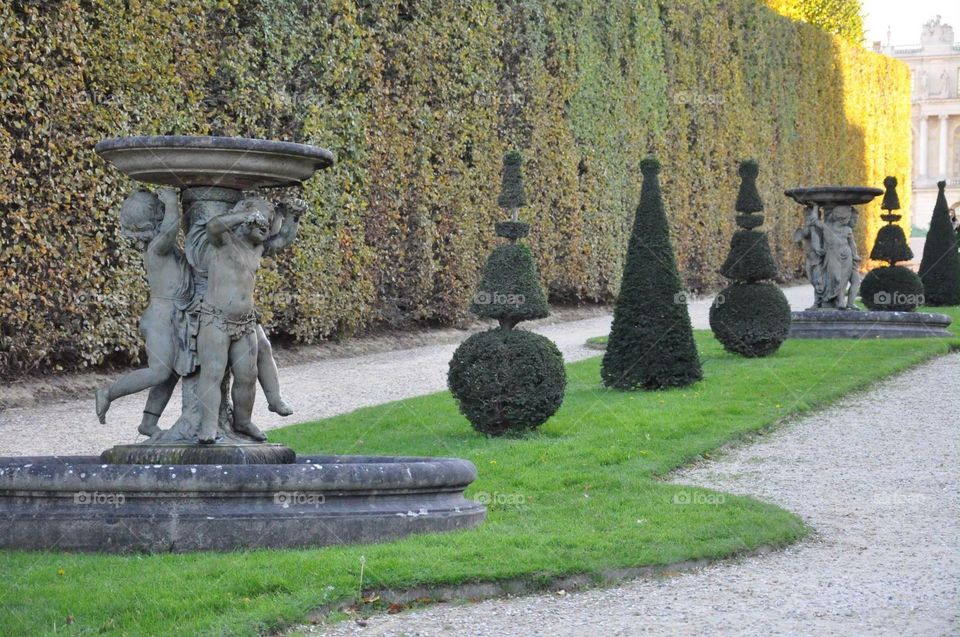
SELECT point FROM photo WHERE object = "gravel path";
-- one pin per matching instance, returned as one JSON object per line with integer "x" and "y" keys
{"x": 875, "y": 476}
{"x": 317, "y": 389}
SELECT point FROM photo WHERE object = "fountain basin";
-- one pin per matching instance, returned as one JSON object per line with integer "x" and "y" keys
{"x": 833, "y": 195}
{"x": 853, "y": 324}
{"x": 228, "y": 162}
{"x": 79, "y": 503}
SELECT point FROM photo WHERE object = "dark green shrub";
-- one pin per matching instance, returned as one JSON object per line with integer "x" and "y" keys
{"x": 507, "y": 380}
{"x": 651, "y": 341}
{"x": 892, "y": 288}
{"x": 751, "y": 319}
{"x": 940, "y": 267}
{"x": 891, "y": 244}
{"x": 510, "y": 289}
{"x": 749, "y": 258}
{"x": 512, "y": 193}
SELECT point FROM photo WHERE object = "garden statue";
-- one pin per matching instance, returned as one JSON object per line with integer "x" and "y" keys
{"x": 810, "y": 238}
{"x": 841, "y": 280}
{"x": 830, "y": 254}
{"x": 211, "y": 481}
{"x": 152, "y": 221}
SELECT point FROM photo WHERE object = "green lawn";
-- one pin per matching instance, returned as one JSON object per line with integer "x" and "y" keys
{"x": 580, "y": 496}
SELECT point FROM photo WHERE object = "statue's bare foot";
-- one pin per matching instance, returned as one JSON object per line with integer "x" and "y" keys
{"x": 280, "y": 407}
{"x": 250, "y": 429}
{"x": 103, "y": 404}
{"x": 148, "y": 430}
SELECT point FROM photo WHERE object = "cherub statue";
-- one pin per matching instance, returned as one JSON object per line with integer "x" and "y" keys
{"x": 153, "y": 221}
{"x": 841, "y": 279}
{"x": 229, "y": 333}
{"x": 810, "y": 238}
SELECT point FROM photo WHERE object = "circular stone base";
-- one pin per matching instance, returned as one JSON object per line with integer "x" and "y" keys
{"x": 854, "y": 324}
{"x": 77, "y": 503}
{"x": 186, "y": 453}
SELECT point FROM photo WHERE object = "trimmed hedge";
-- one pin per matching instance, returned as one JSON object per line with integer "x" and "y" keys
{"x": 419, "y": 102}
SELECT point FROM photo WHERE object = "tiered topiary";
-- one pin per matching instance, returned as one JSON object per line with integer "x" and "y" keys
{"x": 940, "y": 266}
{"x": 651, "y": 342}
{"x": 892, "y": 287}
{"x": 751, "y": 316}
{"x": 506, "y": 380}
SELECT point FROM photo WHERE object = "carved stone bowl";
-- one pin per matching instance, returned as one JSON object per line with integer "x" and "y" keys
{"x": 228, "y": 162}
{"x": 833, "y": 195}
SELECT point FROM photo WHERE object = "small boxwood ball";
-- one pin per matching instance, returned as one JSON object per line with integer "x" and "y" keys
{"x": 751, "y": 319}
{"x": 507, "y": 380}
{"x": 892, "y": 289}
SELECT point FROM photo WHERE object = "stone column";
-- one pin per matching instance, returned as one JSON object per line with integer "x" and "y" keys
{"x": 942, "y": 155}
{"x": 922, "y": 170}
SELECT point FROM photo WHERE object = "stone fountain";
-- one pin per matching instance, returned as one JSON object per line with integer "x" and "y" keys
{"x": 212, "y": 481}
{"x": 830, "y": 257}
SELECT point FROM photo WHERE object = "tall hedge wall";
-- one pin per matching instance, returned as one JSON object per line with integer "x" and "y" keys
{"x": 418, "y": 100}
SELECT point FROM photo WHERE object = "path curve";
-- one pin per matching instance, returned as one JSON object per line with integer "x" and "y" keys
{"x": 875, "y": 476}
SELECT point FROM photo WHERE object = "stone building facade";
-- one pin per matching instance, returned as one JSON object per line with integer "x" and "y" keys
{"x": 935, "y": 71}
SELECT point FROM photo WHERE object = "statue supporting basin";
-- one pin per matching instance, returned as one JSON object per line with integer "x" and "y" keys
{"x": 212, "y": 481}
{"x": 832, "y": 265}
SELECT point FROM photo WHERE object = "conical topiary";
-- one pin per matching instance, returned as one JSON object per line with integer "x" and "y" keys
{"x": 940, "y": 266}
{"x": 892, "y": 287}
{"x": 506, "y": 380}
{"x": 750, "y": 317}
{"x": 651, "y": 341}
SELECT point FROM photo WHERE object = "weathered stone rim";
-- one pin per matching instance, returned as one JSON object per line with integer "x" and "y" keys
{"x": 323, "y": 157}
{"x": 343, "y": 474}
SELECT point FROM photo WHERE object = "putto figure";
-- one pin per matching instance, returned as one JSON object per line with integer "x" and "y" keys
{"x": 228, "y": 333}
{"x": 201, "y": 324}
{"x": 152, "y": 221}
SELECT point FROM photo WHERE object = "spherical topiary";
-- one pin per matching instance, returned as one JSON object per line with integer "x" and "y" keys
{"x": 750, "y": 319}
{"x": 892, "y": 288}
{"x": 507, "y": 380}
